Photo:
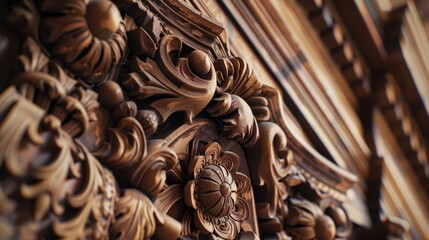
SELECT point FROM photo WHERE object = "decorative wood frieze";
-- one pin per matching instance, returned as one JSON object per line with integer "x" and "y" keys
{"x": 394, "y": 90}
{"x": 404, "y": 128}
{"x": 130, "y": 120}
{"x": 342, "y": 52}
{"x": 378, "y": 40}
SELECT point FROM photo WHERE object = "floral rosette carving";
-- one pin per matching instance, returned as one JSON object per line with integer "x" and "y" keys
{"x": 215, "y": 191}
{"x": 88, "y": 37}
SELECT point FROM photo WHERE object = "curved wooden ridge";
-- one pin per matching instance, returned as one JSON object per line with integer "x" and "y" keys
{"x": 131, "y": 120}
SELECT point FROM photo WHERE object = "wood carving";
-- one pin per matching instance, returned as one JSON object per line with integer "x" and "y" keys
{"x": 129, "y": 119}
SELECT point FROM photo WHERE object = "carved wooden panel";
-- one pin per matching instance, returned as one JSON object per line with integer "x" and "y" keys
{"x": 129, "y": 119}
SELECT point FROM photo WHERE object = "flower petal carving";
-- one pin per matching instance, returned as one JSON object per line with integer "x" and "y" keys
{"x": 216, "y": 191}
{"x": 241, "y": 210}
{"x": 243, "y": 183}
{"x": 229, "y": 160}
{"x": 202, "y": 224}
{"x": 195, "y": 165}
{"x": 229, "y": 230}
{"x": 212, "y": 152}
{"x": 90, "y": 48}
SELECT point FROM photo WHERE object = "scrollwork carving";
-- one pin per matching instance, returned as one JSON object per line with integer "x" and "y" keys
{"x": 339, "y": 216}
{"x": 124, "y": 146}
{"x": 137, "y": 218}
{"x": 172, "y": 83}
{"x": 135, "y": 160}
{"x": 237, "y": 104}
{"x": 152, "y": 168}
{"x": 235, "y": 76}
{"x": 49, "y": 94}
{"x": 98, "y": 88}
{"x": 236, "y": 118}
{"x": 268, "y": 169}
{"x": 270, "y": 166}
{"x": 50, "y": 184}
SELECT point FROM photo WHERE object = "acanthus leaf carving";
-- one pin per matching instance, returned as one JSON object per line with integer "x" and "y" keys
{"x": 49, "y": 94}
{"x": 236, "y": 118}
{"x": 235, "y": 76}
{"x": 153, "y": 167}
{"x": 172, "y": 83}
{"x": 135, "y": 160}
{"x": 64, "y": 178}
{"x": 137, "y": 218}
{"x": 124, "y": 145}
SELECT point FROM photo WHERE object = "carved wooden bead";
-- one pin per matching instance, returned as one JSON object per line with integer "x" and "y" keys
{"x": 199, "y": 62}
{"x": 110, "y": 94}
{"x": 103, "y": 18}
{"x": 149, "y": 120}
{"x": 124, "y": 109}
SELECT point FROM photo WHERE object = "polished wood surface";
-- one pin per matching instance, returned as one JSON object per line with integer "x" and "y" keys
{"x": 197, "y": 119}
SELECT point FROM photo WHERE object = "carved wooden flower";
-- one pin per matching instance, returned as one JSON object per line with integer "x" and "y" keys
{"x": 216, "y": 191}
{"x": 88, "y": 37}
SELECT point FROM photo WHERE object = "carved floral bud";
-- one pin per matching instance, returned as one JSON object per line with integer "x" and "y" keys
{"x": 110, "y": 94}
{"x": 103, "y": 18}
{"x": 199, "y": 62}
{"x": 339, "y": 217}
{"x": 149, "y": 120}
{"x": 306, "y": 220}
{"x": 125, "y": 109}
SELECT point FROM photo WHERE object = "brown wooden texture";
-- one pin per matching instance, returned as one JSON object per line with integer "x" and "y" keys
{"x": 130, "y": 119}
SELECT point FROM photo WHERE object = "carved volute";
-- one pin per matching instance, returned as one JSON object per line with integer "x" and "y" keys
{"x": 130, "y": 119}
